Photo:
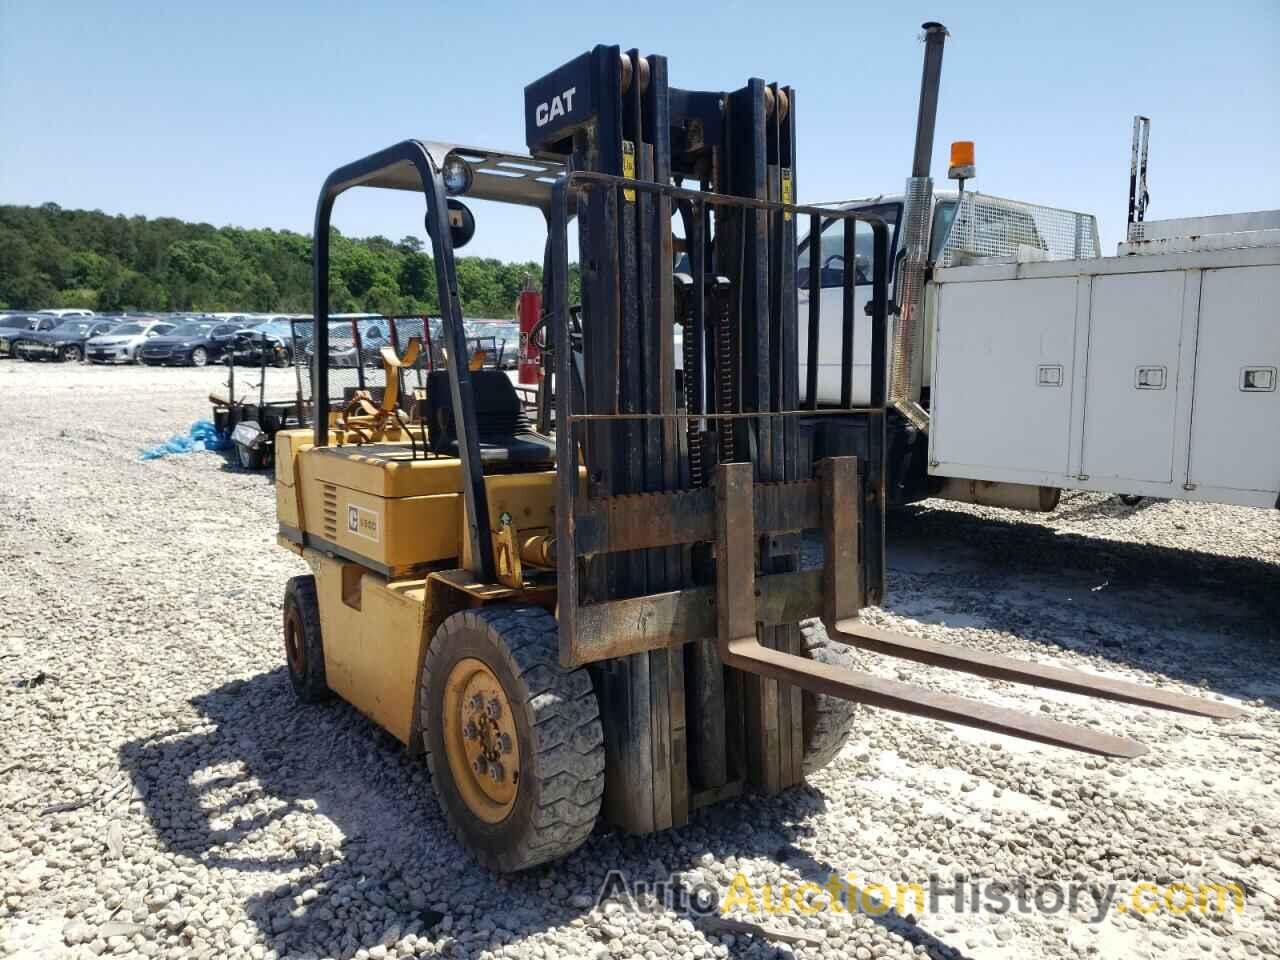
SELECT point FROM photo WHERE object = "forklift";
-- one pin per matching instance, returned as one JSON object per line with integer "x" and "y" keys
{"x": 603, "y": 608}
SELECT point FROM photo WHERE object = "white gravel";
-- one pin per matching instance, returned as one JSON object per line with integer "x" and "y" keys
{"x": 162, "y": 795}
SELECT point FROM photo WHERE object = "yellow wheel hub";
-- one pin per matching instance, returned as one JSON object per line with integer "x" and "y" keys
{"x": 480, "y": 740}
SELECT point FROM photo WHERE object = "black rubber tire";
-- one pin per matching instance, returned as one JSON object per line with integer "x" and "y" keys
{"x": 72, "y": 354}
{"x": 307, "y": 677}
{"x": 1130, "y": 499}
{"x": 828, "y": 721}
{"x": 199, "y": 357}
{"x": 557, "y": 720}
{"x": 249, "y": 457}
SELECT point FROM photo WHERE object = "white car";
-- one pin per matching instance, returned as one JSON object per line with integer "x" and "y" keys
{"x": 68, "y": 312}
{"x": 121, "y": 344}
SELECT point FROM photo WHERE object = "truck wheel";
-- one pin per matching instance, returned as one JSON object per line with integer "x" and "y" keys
{"x": 304, "y": 651}
{"x": 513, "y": 740}
{"x": 828, "y": 721}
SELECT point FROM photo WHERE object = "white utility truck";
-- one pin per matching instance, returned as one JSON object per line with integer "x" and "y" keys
{"x": 1022, "y": 362}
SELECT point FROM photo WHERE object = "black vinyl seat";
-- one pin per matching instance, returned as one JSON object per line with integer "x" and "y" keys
{"x": 506, "y": 434}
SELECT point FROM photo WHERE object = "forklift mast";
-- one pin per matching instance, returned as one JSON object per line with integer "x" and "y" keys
{"x": 644, "y": 533}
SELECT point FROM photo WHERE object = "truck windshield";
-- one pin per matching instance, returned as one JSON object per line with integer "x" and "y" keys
{"x": 832, "y": 256}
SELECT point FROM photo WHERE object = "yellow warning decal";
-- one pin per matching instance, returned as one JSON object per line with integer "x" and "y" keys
{"x": 787, "y": 193}
{"x": 629, "y": 167}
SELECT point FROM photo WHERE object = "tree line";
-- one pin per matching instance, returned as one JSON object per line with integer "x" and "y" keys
{"x": 51, "y": 257}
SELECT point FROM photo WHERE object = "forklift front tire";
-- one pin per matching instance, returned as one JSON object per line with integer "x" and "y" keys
{"x": 828, "y": 721}
{"x": 304, "y": 651}
{"x": 513, "y": 740}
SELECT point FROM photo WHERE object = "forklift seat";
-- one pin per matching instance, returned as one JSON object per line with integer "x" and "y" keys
{"x": 506, "y": 434}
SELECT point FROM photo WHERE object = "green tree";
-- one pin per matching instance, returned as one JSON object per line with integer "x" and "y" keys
{"x": 51, "y": 256}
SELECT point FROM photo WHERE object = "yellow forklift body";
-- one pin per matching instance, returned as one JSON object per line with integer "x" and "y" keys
{"x": 375, "y": 634}
{"x": 368, "y": 519}
{"x": 374, "y": 504}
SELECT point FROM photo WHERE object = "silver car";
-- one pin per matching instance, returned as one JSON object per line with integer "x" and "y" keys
{"x": 121, "y": 344}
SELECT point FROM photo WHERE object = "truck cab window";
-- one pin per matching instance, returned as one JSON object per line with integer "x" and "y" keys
{"x": 832, "y": 260}
{"x": 944, "y": 214}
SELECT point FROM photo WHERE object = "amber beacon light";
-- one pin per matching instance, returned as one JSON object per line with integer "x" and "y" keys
{"x": 962, "y": 165}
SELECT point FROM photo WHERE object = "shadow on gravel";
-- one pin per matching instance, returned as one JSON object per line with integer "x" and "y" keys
{"x": 776, "y": 836}
{"x": 1197, "y": 617}
{"x": 231, "y": 464}
{"x": 332, "y": 835}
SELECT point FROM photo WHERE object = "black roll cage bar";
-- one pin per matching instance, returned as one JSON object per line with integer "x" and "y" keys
{"x": 416, "y": 165}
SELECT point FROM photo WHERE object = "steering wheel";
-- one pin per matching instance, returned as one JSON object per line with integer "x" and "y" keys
{"x": 835, "y": 256}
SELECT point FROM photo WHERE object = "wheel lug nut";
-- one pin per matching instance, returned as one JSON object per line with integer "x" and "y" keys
{"x": 478, "y": 765}
{"x": 494, "y": 709}
{"x": 504, "y": 743}
{"x": 470, "y": 731}
{"x": 496, "y": 772}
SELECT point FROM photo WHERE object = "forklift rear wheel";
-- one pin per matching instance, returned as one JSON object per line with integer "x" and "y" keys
{"x": 828, "y": 721}
{"x": 304, "y": 651}
{"x": 513, "y": 740}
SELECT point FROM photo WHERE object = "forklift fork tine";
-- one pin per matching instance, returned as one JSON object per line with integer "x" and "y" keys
{"x": 746, "y": 653}
{"x": 997, "y": 667}
{"x": 739, "y": 648}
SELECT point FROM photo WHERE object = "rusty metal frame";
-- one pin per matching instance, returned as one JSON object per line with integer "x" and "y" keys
{"x": 599, "y": 631}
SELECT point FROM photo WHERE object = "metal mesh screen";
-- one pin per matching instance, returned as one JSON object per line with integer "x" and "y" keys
{"x": 355, "y": 355}
{"x": 990, "y": 226}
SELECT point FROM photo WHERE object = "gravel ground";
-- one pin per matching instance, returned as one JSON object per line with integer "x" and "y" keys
{"x": 162, "y": 794}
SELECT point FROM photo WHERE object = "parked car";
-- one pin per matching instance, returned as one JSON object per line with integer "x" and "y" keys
{"x": 505, "y": 340}
{"x": 342, "y": 344}
{"x": 190, "y": 343}
{"x": 63, "y": 312}
{"x": 277, "y": 337}
{"x": 64, "y": 342}
{"x": 14, "y": 327}
{"x": 122, "y": 343}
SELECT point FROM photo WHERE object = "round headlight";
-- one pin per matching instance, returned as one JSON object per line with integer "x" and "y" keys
{"x": 457, "y": 174}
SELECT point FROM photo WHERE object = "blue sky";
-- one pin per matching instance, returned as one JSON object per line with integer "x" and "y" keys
{"x": 233, "y": 113}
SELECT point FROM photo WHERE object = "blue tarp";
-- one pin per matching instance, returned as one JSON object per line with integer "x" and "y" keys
{"x": 202, "y": 436}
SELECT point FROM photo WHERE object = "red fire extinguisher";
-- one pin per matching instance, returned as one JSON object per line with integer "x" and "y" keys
{"x": 529, "y": 309}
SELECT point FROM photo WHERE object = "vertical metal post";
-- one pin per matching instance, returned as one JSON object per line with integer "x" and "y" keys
{"x": 815, "y": 309}
{"x": 320, "y": 317}
{"x": 464, "y": 407}
{"x": 848, "y": 278}
{"x": 359, "y": 343}
{"x": 935, "y": 35}
{"x": 557, "y": 287}
{"x": 1138, "y": 174}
